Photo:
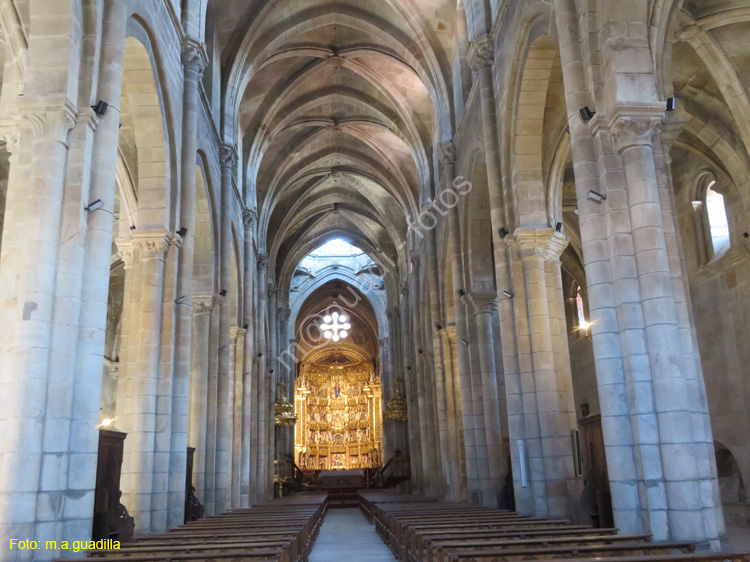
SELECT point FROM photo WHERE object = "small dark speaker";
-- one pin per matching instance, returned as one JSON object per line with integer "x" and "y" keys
{"x": 100, "y": 108}
{"x": 587, "y": 114}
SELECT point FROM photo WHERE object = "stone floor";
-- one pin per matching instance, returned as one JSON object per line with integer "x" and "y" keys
{"x": 346, "y": 535}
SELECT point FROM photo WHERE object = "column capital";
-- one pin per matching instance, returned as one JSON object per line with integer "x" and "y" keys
{"x": 483, "y": 302}
{"x": 203, "y": 304}
{"x": 194, "y": 56}
{"x": 228, "y": 156}
{"x": 176, "y": 240}
{"x": 481, "y": 53}
{"x": 151, "y": 244}
{"x": 272, "y": 288}
{"x": 447, "y": 154}
{"x": 48, "y": 122}
{"x": 262, "y": 260}
{"x": 126, "y": 249}
{"x": 12, "y": 138}
{"x": 234, "y": 333}
{"x": 630, "y": 125}
{"x": 249, "y": 216}
{"x": 543, "y": 243}
{"x": 669, "y": 131}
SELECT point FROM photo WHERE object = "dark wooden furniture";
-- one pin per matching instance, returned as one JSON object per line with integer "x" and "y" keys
{"x": 111, "y": 519}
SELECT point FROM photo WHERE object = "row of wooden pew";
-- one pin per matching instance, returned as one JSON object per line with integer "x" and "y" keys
{"x": 282, "y": 530}
{"x": 417, "y": 529}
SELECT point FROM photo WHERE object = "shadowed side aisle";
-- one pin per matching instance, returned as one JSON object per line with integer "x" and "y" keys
{"x": 346, "y": 533}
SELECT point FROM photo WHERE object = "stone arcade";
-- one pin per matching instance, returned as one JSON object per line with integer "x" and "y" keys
{"x": 533, "y": 215}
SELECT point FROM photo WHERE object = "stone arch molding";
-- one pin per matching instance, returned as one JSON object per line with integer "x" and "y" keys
{"x": 328, "y": 274}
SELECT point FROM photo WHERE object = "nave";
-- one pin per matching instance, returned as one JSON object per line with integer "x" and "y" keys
{"x": 485, "y": 252}
{"x": 306, "y": 528}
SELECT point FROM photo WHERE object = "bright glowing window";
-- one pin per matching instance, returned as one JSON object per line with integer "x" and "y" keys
{"x": 579, "y": 308}
{"x": 717, "y": 219}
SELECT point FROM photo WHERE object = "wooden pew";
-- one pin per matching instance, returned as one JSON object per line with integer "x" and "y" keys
{"x": 417, "y": 530}
{"x": 528, "y": 552}
{"x": 279, "y": 531}
{"x": 433, "y": 547}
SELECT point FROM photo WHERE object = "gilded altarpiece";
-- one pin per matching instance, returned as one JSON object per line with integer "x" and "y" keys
{"x": 340, "y": 419}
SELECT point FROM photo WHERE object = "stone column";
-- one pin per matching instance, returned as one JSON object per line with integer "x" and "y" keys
{"x": 263, "y": 390}
{"x": 410, "y": 393}
{"x": 663, "y": 449}
{"x": 669, "y": 130}
{"x": 481, "y": 59}
{"x": 444, "y": 413}
{"x": 285, "y": 434}
{"x": 237, "y": 336}
{"x": 271, "y": 367}
{"x": 194, "y": 60}
{"x": 428, "y": 439}
{"x": 455, "y": 417}
{"x": 546, "y": 386}
{"x": 212, "y": 408}
{"x": 250, "y": 373}
{"x": 31, "y": 244}
{"x": 223, "y": 434}
{"x": 386, "y": 374}
{"x": 136, "y": 401}
{"x": 163, "y": 435}
{"x": 230, "y": 413}
{"x": 485, "y": 306}
{"x": 475, "y": 445}
{"x": 203, "y": 305}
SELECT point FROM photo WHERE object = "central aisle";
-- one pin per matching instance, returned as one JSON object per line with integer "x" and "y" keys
{"x": 346, "y": 535}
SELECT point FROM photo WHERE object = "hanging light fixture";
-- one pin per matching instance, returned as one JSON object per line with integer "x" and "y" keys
{"x": 284, "y": 410}
{"x": 395, "y": 409}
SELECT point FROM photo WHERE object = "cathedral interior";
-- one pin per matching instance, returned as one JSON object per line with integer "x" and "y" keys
{"x": 489, "y": 253}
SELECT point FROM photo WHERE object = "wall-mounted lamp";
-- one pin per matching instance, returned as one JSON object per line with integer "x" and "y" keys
{"x": 596, "y": 196}
{"x": 461, "y": 293}
{"x": 260, "y": 354}
{"x": 132, "y": 227}
{"x": 420, "y": 351}
{"x": 94, "y": 206}
{"x": 508, "y": 294}
{"x": 587, "y": 114}
{"x": 182, "y": 232}
{"x": 558, "y": 227}
{"x": 271, "y": 371}
{"x": 244, "y": 326}
{"x": 746, "y": 235}
{"x": 100, "y": 108}
{"x": 503, "y": 233}
{"x": 438, "y": 327}
{"x": 223, "y": 292}
{"x": 671, "y": 104}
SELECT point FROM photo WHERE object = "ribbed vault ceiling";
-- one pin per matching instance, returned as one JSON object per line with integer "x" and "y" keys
{"x": 336, "y": 106}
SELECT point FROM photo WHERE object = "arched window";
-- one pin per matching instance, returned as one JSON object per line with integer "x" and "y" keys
{"x": 580, "y": 309}
{"x": 578, "y": 324}
{"x": 718, "y": 224}
{"x": 711, "y": 223}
